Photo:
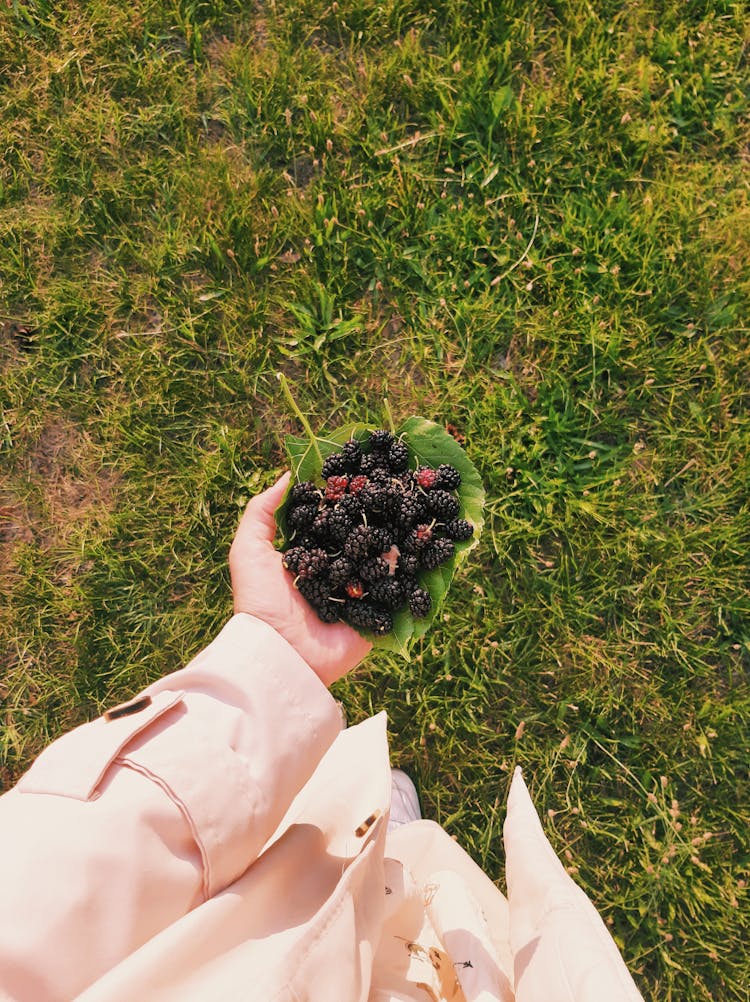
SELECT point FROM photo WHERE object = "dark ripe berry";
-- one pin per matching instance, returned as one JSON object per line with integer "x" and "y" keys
{"x": 436, "y": 553}
{"x": 408, "y": 563}
{"x": 321, "y": 526}
{"x": 373, "y": 569}
{"x": 380, "y": 541}
{"x": 459, "y": 529}
{"x": 380, "y": 440}
{"x": 315, "y": 590}
{"x": 388, "y": 592}
{"x": 448, "y": 477}
{"x": 372, "y": 464}
{"x": 418, "y": 538}
{"x": 292, "y": 558}
{"x": 410, "y": 510}
{"x": 443, "y": 505}
{"x": 357, "y": 483}
{"x": 355, "y": 589}
{"x": 409, "y": 582}
{"x": 305, "y": 493}
{"x": 351, "y": 506}
{"x": 372, "y": 498}
{"x": 398, "y": 457}
{"x": 368, "y": 617}
{"x": 336, "y": 487}
{"x": 313, "y": 563}
{"x": 352, "y": 453}
{"x": 333, "y": 466}
{"x": 340, "y": 572}
{"x": 329, "y": 612}
{"x": 358, "y": 543}
{"x": 392, "y": 496}
{"x": 420, "y": 603}
{"x": 339, "y": 525}
{"x": 302, "y": 518}
{"x": 426, "y": 477}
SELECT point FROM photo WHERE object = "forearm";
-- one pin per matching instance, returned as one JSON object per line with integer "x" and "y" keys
{"x": 122, "y": 826}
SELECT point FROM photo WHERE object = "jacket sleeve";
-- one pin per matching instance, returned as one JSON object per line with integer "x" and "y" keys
{"x": 127, "y": 823}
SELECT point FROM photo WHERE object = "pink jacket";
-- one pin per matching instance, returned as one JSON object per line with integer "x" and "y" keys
{"x": 222, "y": 837}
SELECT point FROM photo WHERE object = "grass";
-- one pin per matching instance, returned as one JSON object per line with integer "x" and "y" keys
{"x": 527, "y": 221}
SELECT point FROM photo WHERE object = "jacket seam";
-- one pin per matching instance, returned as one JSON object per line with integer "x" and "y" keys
{"x": 182, "y": 807}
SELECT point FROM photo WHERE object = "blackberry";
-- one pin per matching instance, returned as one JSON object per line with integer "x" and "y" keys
{"x": 448, "y": 477}
{"x": 443, "y": 505}
{"x": 420, "y": 603}
{"x": 409, "y": 583}
{"x": 408, "y": 563}
{"x": 313, "y": 563}
{"x": 389, "y": 592}
{"x": 339, "y": 525}
{"x": 380, "y": 440}
{"x": 380, "y": 541}
{"x": 329, "y": 612}
{"x": 333, "y": 466}
{"x": 321, "y": 527}
{"x": 418, "y": 539}
{"x": 373, "y": 569}
{"x": 392, "y": 496}
{"x": 351, "y": 506}
{"x": 410, "y": 510}
{"x": 316, "y": 592}
{"x": 371, "y": 464}
{"x": 398, "y": 457}
{"x": 459, "y": 529}
{"x": 372, "y": 498}
{"x": 352, "y": 453}
{"x": 292, "y": 558}
{"x": 368, "y": 617}
{"x": 304, "y": 493}
{"x": 436, "y": 553}
{"x": 359, "y": 542}
{"x": 303, "y": 517}
{"x": 426, "y": 477}
{"x": 340, "y": 571}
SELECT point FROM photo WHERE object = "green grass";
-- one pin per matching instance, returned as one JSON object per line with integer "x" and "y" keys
{"x": 529, "y": 221}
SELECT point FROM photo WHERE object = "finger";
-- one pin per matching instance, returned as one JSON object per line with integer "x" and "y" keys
{"x": 258, "y": 522}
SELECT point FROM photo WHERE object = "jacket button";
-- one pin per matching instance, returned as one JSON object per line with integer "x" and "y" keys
{"x": 127, "y": 709}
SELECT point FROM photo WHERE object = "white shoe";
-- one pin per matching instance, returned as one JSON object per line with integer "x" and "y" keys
{"x": 404, "y": 800}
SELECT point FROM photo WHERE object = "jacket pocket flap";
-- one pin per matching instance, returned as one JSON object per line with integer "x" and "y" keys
{"x": 74, "y": 765}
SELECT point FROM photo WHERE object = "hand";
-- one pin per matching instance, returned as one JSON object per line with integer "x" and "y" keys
{"x": 264, "y": 588}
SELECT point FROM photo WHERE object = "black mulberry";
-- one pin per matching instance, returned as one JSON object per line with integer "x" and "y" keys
{"x": 448, "y": 477}
{"x": 442, "y": 505}
{"x": 459, "y": 529}
{"x": 436, "y": 553}
{"x": 334, "y": 466}
{"x": 420, "y": 603}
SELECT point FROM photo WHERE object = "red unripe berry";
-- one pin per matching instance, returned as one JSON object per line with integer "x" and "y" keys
{"x": 336, "y": 488}
{"x": 426, "y": 477}
{"x": 357, "y": 483}
{"x": 355, "y": 589}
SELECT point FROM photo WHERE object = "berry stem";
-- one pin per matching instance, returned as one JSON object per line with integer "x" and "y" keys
{"x": 302, "y": 419}
{"x": 389, "y": 415}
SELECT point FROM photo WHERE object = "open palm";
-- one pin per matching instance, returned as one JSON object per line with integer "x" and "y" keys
{"x": 262, "y": 587}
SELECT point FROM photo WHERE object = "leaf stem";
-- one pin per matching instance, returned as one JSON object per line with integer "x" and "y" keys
{"x": 389, "y": 415}
{"x": 302, "y": 419}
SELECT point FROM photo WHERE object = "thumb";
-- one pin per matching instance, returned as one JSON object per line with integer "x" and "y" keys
{"x": 258, "y": 522}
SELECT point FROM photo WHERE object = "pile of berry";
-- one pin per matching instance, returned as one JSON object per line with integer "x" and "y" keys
{"x": 359, "y": 543}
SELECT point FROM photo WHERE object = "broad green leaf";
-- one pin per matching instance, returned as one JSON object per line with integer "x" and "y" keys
{"x": 429, "y": 445}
